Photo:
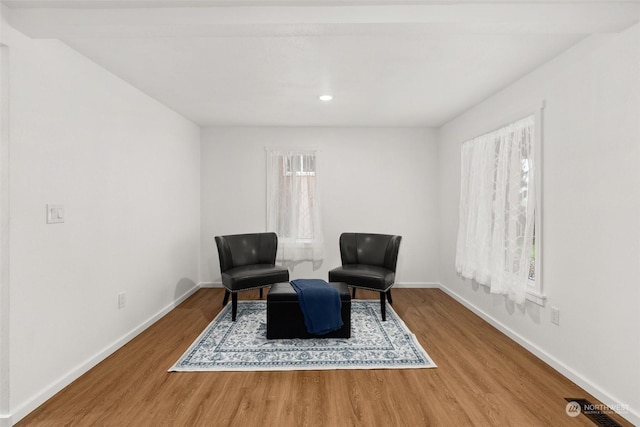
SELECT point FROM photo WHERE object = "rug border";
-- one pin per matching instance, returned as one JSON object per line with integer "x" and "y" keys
{"x": 227, "y": 308}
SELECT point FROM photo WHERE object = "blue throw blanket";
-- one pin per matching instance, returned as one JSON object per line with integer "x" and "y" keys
{"x": 320, "y": 305}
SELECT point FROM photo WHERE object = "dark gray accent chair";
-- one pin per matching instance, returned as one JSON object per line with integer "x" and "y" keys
{"x": 368, "y": 262}
{"x": 247, "y": 261}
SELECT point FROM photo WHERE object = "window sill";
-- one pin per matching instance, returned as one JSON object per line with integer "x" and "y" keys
{"x": 536, "y": 297}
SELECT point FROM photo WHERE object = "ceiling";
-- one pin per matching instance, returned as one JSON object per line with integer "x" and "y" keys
{"x": 264, "y": 63}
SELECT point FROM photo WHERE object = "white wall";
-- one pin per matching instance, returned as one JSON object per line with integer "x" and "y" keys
{"x": 372, "y": 180}
{"x": 591, "y": 214}
{"x": 4, "y": 227}
{"x": 127, "y": 171}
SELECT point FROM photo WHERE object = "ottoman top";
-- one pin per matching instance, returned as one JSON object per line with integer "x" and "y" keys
{"x": 285, "y": 292}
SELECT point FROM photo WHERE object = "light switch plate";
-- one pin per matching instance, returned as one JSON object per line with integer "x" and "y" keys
{"x": 55, "y": 214}
{"x": 555, "y": 316}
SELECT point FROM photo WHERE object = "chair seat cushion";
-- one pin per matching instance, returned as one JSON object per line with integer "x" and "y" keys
{"x": 364, "y": 276}
{"x": 253, "y": 276}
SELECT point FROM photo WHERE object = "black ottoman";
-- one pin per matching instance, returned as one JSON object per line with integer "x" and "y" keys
{"x": 285, "y": 319}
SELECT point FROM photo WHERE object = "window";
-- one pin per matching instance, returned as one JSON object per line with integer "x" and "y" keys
{"x": 296, "y": 197}
{"x": 499, "y": 211}
{"x": 293, "y": 204}
{"x": 532, "y": 259}
{"x": 300, "y": 165}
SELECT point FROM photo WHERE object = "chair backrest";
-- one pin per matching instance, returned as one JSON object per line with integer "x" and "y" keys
{"x": 370, "y": 249}
{"x": 238, "y": 250}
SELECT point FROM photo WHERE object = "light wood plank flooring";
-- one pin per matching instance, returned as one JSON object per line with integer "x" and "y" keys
{"x": 483, "y": 379}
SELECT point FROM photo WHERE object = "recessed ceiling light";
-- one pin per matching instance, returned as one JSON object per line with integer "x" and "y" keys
{"x": 325, "y": 97}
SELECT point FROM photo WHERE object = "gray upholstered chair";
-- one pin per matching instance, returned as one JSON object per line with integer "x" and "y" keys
{"x": 368, "y": 262}
{"x": 247, "y": 261}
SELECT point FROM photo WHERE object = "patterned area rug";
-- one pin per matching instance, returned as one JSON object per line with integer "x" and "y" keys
{"x": 243, "y": 346}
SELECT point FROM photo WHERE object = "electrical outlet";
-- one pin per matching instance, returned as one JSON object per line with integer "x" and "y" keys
{"x": 555, "y": 315}
{"x": 122, "y": 300}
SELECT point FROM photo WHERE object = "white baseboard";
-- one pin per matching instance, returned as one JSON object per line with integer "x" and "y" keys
{"x": 630, "y": 415}
{"x": 5, "y": 420}
{"x": 210, "y": 284}
{"x": 84, "y": 367}
{"x": 419, "y": 285}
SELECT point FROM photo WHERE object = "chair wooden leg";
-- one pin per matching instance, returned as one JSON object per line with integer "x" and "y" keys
{"x": 389, "y": 297}
{"x": 234, "y": 306}
{"x": 354, "y": 293}
{"x": 260, "y": 293}
{"x": 383, "y": 305}
{"x": 225, "y": 300}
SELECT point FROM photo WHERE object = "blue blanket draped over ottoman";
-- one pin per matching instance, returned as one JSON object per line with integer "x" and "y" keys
{"x": 285, "y": 319}
{"x": 320, "y": 305}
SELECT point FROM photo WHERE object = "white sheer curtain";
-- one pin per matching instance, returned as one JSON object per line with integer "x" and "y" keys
{"x": 497, "y": 209}
{"x": 293, "y": 207}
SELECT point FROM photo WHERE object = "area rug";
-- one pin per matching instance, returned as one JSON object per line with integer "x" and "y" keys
{"x": 243, "y": 346}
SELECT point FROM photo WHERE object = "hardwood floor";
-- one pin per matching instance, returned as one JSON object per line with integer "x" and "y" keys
{"x": 483, "y": 379}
